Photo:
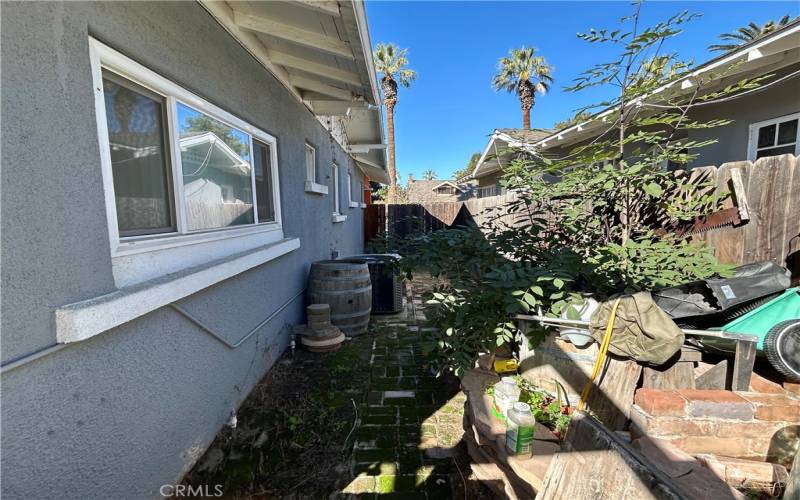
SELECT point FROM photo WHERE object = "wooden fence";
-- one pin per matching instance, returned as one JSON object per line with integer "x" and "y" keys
{"x": 374, "y": 221}
{"x": 772, "y": 197}
{"x": 770, "y": 191}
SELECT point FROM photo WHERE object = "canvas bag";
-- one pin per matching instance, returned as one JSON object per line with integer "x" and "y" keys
{"x": 642, "y": 331}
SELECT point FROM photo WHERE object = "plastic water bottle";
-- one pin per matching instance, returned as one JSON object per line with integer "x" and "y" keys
{"x": 519, "y": 430}
{"x": 506, "y": 393}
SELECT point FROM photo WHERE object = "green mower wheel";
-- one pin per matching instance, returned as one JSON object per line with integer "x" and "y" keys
{"x": 782, "y": 347}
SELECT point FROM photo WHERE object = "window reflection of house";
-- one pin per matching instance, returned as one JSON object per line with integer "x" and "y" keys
{"x": 216, "y": 182}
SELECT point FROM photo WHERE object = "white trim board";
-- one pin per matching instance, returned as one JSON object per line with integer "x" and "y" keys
{"x": 85, "y": 319}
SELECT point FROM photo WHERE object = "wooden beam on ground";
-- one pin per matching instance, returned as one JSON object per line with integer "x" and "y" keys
{"x": 315, "y": 68}
{"x": 292, "y": 33}
{"x": 743, "y": 365}
{"x": 320, "y": 87}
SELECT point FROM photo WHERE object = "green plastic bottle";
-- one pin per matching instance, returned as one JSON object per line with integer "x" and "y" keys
{"x": 519, "y": 433}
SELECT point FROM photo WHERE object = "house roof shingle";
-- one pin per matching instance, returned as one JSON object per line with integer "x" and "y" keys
{"x": 524, "y": 135}
{"x": 423, "y": 191}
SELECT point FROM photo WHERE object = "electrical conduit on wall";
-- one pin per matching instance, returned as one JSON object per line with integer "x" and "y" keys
{"x": 11, "y": 365}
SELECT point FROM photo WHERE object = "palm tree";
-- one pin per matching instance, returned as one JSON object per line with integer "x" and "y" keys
{"x": 525, "y": 73}
{"x": 429, "y": 175}
{"x": 747, "y": 34}
{"x": 392, "y": 62}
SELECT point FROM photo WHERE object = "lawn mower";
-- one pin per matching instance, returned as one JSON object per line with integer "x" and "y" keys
{"x": 755, "y": 301}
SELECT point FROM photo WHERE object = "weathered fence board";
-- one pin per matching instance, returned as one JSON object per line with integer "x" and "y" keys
{"x": 728, "y": 242}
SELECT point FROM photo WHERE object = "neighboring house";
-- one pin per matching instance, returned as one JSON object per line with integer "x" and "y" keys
{"x": 437, "y": 190}
{"x": 170, "y": 171}
{"x": 765, "y": 120}
{"x": 505, "y": 145}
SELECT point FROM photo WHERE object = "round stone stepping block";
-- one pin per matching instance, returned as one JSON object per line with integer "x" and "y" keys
{"x": 330, "y": 348}
{"x": 318, "y": 312}
{"x": 315, "y": 344}
{"x": 329, "y": 333}
{"x": 318, "y": 323}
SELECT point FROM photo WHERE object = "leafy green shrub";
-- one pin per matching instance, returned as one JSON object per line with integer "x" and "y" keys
{"x": 602, "y": 218}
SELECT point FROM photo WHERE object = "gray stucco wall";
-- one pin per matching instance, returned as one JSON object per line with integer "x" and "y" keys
{"x": 122, "y": 413}
{"x": 779, "y": 100}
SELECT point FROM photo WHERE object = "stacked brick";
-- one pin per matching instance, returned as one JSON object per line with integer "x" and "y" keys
{"x": 749, "y": 425}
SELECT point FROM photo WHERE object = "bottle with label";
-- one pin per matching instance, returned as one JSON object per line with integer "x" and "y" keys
{"x": 519, "y": 430}
{"x": 506, "y": 393}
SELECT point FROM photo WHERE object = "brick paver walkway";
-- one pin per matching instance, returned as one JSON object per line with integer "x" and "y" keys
{"x": 411, "y": 421}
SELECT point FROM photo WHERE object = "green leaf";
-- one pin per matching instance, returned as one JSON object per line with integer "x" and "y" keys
{"x": 653, "y": 189}
{"x": 572, "y": 313}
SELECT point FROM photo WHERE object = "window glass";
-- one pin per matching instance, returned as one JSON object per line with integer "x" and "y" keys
{"x": 216, "y": 163}
{"x": 349, "y": 187}
{"x": 781, "y": 150}
{"x": 262, "y": 162}
{"x": 787, "y": 132}
{"x": 335, "y": 175}
{"x": 311, "y": 164}
{"x": 766, "y": 136}
{"x": 135, "y": 118}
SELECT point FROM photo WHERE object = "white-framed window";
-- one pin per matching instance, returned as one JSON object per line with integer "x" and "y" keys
{"x": 312, "y": 186}
{"x": 774, "y": 137}
{"x": 351, "y": 201}
{"x": 337, "y": 209}
{"x": 335, "y": 181}
{"x": 177, "y": 171}
{"x": 311, "y": 163}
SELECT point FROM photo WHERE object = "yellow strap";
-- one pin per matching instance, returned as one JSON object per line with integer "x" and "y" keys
{"x": 601, "y": 356}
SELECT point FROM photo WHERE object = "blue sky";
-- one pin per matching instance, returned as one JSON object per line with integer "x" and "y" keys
{"x": 450, "y": 110}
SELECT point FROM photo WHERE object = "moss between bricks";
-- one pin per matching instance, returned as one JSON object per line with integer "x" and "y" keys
{"x": 378, "y": 419}
{"x": 400, "y": 402}
{"x": 379, "y": 455}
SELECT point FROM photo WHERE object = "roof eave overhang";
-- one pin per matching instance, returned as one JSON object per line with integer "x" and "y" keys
{"x": 496, "y": 151}
{"x": 325, "y": 91}
{"x": 783, "y": 41}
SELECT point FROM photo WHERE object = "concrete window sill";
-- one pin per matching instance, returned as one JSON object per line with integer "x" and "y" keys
{"x": 85, "y": 319}
{"x": 314, "y": 188}
{"x": 339, "y": 218}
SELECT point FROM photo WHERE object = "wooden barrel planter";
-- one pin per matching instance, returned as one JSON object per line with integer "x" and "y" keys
{"x": 344, "y": 285}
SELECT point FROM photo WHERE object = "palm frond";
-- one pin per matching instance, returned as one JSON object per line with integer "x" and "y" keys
{"x": 521, "y": 64}
{"x": 748, "y": 33}
{"x": 392, "y": 61}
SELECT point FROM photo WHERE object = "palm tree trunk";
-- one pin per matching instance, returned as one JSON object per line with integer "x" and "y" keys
{"x": 526, "y": 94}
{"x": 392, "y": 195}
